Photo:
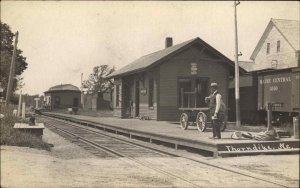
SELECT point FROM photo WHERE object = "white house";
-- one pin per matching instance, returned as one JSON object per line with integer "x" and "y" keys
{"x": 278, "y": 47}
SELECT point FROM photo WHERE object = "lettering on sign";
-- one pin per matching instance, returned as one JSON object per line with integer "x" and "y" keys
{"x": 275, "y": 80}
{"x": 274, "y": 83}
{"x": 194, "y": 68}
{"x": 258, "y": 147}
{"x": 273, "y": 88}
{"x": 144, "y": 91}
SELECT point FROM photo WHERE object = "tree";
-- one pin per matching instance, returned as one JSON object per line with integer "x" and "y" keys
{"x": 96, "y": 83}
{"x": 6, "y": 51}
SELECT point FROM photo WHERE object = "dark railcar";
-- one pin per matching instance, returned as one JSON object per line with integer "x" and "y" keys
{"x": 280, "y": 87}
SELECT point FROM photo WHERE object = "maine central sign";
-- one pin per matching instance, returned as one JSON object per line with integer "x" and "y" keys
{"x": 271, "y": 88}
{"x": 275, "y": 80}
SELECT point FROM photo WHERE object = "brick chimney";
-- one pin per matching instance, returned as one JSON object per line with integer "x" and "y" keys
{"x": 169, "y": 42}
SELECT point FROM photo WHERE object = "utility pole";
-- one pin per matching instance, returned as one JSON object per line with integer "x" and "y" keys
{"x": 20, "y": 103}
{"x": 237, "y": 76}
{"x": 82, "y": 92}
{"x": 12, "y": 71}
{"x": 81, "y": 81}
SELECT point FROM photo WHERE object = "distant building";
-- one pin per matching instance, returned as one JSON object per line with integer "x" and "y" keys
{"x": 97, "y": 101}
{"x": 152, "y": 85}
{"x": 63, "y": 96}
{"x": 29, "y": 100}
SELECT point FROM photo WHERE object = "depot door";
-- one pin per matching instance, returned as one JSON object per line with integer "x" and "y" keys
{"x": 75, "y": 102}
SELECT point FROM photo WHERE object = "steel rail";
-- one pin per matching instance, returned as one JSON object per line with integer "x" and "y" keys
{"x": 122, "y": 140}
{"x": 171, "y": 154}
{"x": 123, "y": 156}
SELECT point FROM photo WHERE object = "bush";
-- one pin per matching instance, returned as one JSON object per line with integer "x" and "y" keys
{"x": 13, "y": 137}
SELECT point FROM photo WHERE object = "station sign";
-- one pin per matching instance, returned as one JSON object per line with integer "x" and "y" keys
{"x": 277, "y": 88}
{"x": 144, "y": 91}
{"x": 194, "y": 68}
{"x": 265, "y": 146}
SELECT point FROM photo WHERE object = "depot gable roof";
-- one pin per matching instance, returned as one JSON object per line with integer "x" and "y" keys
{"x": 148, "y": 61}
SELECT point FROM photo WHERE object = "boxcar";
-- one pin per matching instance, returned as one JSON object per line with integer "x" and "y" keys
{"x": 281, "y": 88}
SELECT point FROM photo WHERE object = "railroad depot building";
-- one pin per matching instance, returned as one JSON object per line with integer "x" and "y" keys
{"x": 152, "y": 85}
{"x": 62, "y": 96}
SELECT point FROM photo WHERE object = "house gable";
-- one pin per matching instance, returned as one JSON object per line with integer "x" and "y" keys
{"x": 289, "y": 29}
{"x": 284, "y": 58}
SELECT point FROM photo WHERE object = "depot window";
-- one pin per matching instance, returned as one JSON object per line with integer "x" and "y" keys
{"x": 278, "y": 46}
{"x": 189, "y": 85}
{"x": 268, "y": 48}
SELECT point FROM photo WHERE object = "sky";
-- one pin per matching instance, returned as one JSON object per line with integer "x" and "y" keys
{"x": 62, "y": 39}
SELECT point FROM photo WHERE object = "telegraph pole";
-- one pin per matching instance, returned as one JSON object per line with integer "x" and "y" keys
{"x": 237, "y": 76}
{"x": 20, "y": 104}
{"x": 82, "y": 92}
{"x": 12, "y": 71}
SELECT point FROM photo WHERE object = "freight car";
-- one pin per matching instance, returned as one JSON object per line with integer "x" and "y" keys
{"x": 281, "y": 88}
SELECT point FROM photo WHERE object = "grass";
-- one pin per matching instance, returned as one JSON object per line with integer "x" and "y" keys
{"x": 13, "y": 137}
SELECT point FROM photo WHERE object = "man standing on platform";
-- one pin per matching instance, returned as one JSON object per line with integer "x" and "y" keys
{"x": 217, "y": 115}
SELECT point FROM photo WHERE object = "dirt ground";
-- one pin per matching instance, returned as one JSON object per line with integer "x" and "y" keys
{"x": 68, "y": 165}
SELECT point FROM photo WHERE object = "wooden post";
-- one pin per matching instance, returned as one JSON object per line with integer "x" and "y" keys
{"x": 12, "y": 71}
{"x": 269, "y": 116}
{"x": 19, "y": 106}
{"x": 196, "y": 97}
{"x": 23, "y": 110}
{"x": 296, "y": 127}
{"x": 181, "y": 90}
{"x": 189, "y": 100}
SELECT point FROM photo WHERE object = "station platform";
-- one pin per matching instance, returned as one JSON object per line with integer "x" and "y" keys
{"x": 172, "y": 134}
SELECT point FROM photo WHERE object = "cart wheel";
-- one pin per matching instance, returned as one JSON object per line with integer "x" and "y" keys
{"x": 184, "y": 121}
{"x": 201, "y": 121}
{"x": 224, "y": 123}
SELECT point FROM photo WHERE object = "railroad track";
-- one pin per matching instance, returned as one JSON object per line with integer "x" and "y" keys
{"x": 105, "y": 145}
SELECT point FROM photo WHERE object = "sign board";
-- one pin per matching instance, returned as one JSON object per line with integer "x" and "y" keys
{"x": 260, "y": 146}
{"x": 275, "y": 88}
{"x": 194, "y": 68}
{"x": 144, "y": 91}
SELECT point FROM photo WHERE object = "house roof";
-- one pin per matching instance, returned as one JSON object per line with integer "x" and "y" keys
{"x": 247, "y": 65}
{"x": 63, "y": 87}
{"x": 149, "y": 60}
{"x": 289, "y": 29}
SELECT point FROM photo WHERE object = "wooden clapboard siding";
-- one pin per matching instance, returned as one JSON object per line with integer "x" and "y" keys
{"x": 165, "y": 72}
{"x": 130, "y": 82}
{"x": 179, "y": 66}
{"x": 148, "y": 112}
{"x": 117, "y": 109}
{"x": 117, "y": 112}
{"x": 145, "y": 109}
